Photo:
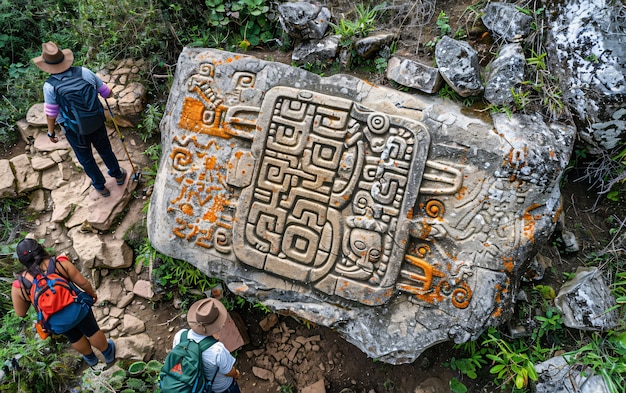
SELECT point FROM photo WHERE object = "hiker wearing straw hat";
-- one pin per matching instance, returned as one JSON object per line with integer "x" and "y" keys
{"x": 81, "y": 129}
{"x": 206, "y": 318}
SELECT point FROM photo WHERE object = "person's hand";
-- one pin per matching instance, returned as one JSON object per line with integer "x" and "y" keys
{"x": 238, "y": 374}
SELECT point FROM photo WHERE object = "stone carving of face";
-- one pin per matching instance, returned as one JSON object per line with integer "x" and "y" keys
{"x": 367, "y": 248}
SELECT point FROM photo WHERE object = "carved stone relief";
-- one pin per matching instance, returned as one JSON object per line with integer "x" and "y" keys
{"x": 395, "y": 219}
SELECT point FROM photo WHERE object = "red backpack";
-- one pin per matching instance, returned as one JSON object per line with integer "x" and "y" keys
{"x": 50, "y": 293}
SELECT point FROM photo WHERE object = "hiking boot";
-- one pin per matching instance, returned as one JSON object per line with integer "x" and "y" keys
{"x": 91, "y": 359}
{"x": 104, "y": 192}
{"x": 110, "y": 356}
{"x": 121, "y": 179}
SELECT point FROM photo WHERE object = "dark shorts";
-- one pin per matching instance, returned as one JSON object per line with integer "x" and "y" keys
{"x": 87, "y": 327}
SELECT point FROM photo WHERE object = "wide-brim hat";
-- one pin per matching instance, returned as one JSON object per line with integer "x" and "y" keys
{"x": 52, "y": 59}
{"x": 207, "y": 316}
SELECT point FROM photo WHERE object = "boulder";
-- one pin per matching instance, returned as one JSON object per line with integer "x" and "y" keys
{"x": 507, "y": 21}
{"x": 458, "y": 65}
{"x": 7, "y": 180}
{"x": 398, "y": 220}
{"x": 586, "y": 50}
{"x": 585, "y": 302}
{"x": 304, "y": 20}
{"x": 413, "y": 74}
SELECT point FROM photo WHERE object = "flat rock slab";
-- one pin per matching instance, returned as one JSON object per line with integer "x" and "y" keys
{"x": 398, "y": 220}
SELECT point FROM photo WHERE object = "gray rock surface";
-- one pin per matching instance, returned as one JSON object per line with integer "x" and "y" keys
{"x": 413, "y": 74}
{"x": 506, "y": 73}
{"x": 507, "y": 21}
{"x": 314, "y": 51}
{"x": 304, "y": 20}
{"x": 585, "y": 300}
{"x": 586, "y": 50}
{"x": 557, "y": 376}
{"x": 395, "y": 219}
{"x": 458, "y": 65}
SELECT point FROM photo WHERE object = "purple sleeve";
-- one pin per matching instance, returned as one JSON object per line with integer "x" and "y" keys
{"x": 51, "y": 110}
{"x": 104, "y": 90}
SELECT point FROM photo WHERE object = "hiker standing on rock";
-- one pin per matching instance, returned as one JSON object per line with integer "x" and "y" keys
{"x": 206, "y": 318}
{"x": 75, "y": 106}
{"x": 74, "y": 317}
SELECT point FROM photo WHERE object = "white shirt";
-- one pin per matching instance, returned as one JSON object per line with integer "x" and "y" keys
{"x": 215, "y": 359}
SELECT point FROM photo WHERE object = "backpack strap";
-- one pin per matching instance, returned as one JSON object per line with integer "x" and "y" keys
{"x": 54, "y": 81}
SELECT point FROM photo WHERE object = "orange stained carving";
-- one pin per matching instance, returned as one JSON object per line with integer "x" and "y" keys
{"x": 409, "y": 214}
{"x": 461, "y": 295}
{"x": 192, "y": 119}
{"x": 425, "y": 292}
{"x": 435, "y": 208}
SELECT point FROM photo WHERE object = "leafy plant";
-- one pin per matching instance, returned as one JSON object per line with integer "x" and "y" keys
{"x": 286, "y": 388}
{"x": 149, "y": 125}
{"x": 35, "y": 365}
{"x": 510, "y": 365}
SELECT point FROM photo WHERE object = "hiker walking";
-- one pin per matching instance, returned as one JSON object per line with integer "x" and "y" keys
{"x": 206, "y": 318}
{"x": 44, "y": 284}
{"x": 83, "y": 122}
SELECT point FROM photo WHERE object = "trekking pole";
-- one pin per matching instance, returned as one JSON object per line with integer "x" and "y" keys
{"x": 136, "y": 174}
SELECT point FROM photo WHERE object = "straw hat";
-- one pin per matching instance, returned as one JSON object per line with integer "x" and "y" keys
{"x": 52, "y": 59}
{"x": 207, "y": 316}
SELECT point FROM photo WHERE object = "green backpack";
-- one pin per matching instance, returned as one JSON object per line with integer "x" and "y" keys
{"x": 183, "y": 370}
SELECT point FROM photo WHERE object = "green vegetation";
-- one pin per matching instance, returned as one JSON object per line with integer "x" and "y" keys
{"x": 34, "y": 365}
{"x": 133, "y": 377}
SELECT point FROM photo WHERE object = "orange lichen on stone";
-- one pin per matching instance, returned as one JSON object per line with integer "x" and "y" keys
{"x": 409, "y": 214}
{"x": 508, "y": 264}
{"x": 529, "y": 222}
{"x": 187, "y": 209}
{"x": 426, "y": 228}
{"x": 210, "y": 162}
{"x": 192, "y": 119}
{"x": 461, "y": 193}
{"x": 212, "y": 214}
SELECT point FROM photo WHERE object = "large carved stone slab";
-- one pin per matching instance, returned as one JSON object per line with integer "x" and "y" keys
{"x": 400, "y": 221}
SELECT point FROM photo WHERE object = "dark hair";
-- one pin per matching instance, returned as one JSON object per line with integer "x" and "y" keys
{"x": 31, "y": 253}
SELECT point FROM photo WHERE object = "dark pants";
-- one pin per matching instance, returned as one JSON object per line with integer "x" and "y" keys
{"x": 82, "y": 148}
{"x": 233, "y": 388}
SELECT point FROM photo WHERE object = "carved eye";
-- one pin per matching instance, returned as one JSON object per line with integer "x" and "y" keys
{"x": 374, "y": 255}
{"x": 362, "y": 203}
{"x": 359, "y": 245}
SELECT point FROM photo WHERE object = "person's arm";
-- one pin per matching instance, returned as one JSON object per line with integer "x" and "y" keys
{"x": 78, "y": 279}
{"x": 51, "y": 133}
{"x": 50, "y": 109}
{"x": 19, "y": 304}
{"x": 233, "y": 373}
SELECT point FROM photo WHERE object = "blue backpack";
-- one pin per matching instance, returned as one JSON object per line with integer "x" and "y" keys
{"x": 78, "y": 102}
{"x": 183, "y": 370}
